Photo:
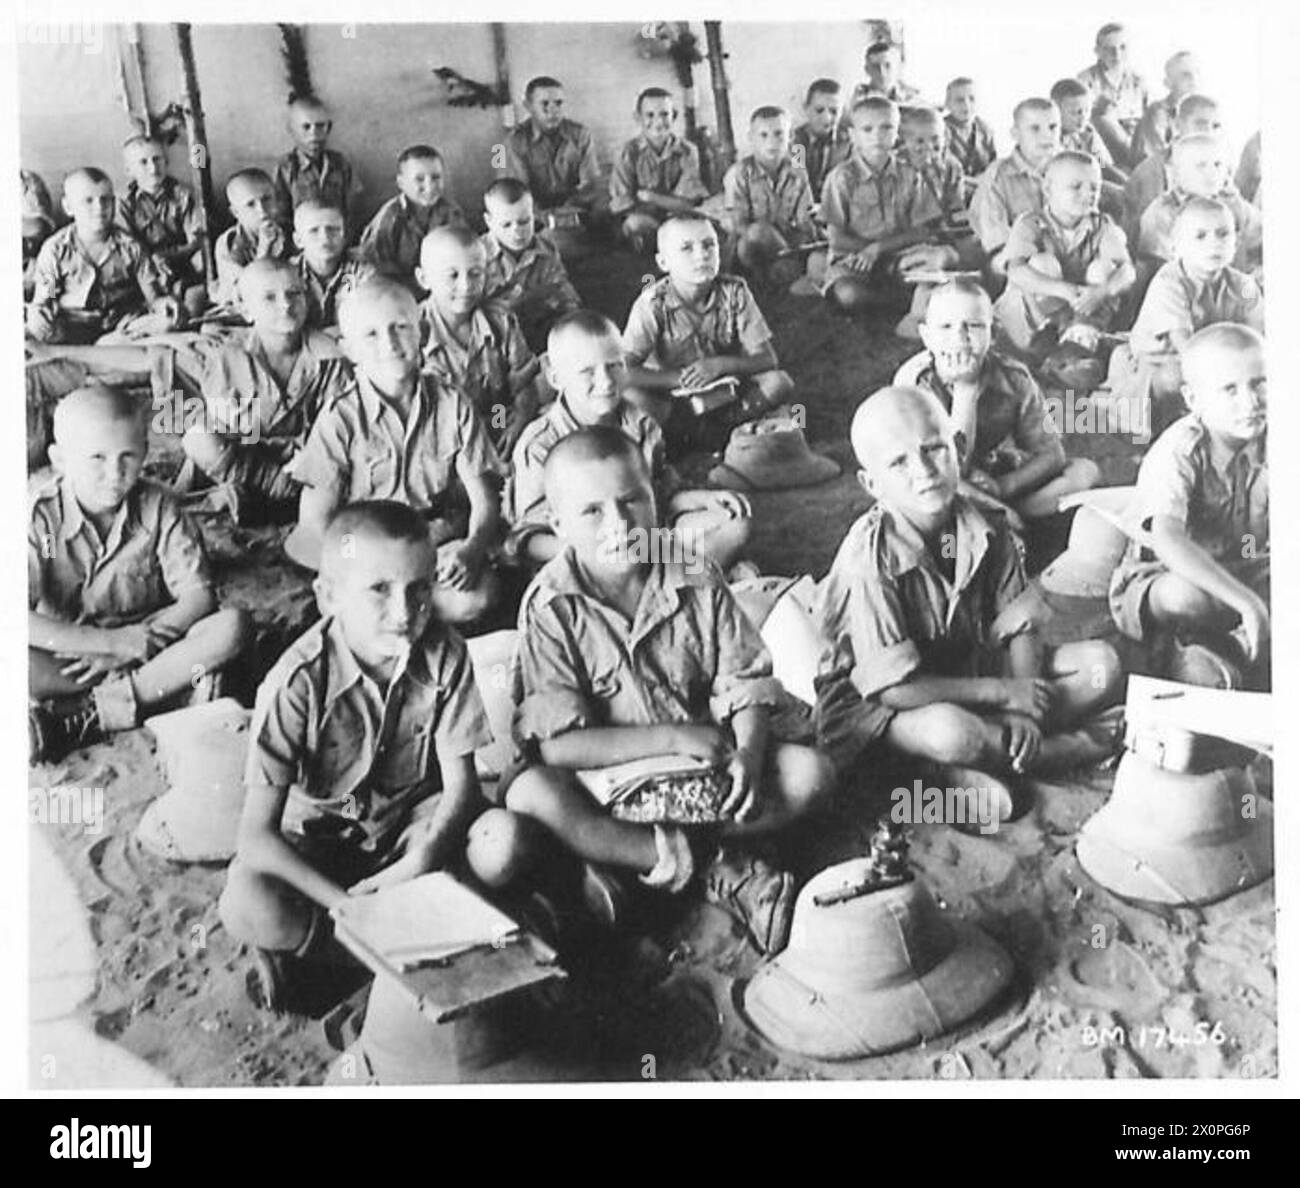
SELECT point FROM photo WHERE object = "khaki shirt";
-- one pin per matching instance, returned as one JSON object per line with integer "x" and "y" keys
{"x": 886, "y": 611}
{"x": 364, "y": 447}
{"x": 663, "y": 331}
{"x": 688, "y": 656}
{"x": 865, "y": 203}
{"x": 533, "y": 285}
{"x": 151, "y": 557}
{"x": 558, "y": 166}
{"x": 357, "y": 760}
{"x": 1175, "y": 301}
{"x": 391, "y": 241}
{"x": 163, "y": 221}
{"x": 1223, "y": 511}
{"x": 548, "y": 430}
{"x": 1088, "y": 140}
{"x": 491, "y": 370}
{"x": 821, "y": 153}
{"x": 243, "y": 392}
{"x": 1011, "y": 420}
{"x": 1156, "y": 226}
{"x": 972, "y": 147}
{"x": 1007, "y": 189}
{"x": 937, "y": 190}
{"x": 235, "y": 250}
{"x": 1129, "y": 95}
{"x": 68, "y": 284}
{"x": 330, "y": 180}
{"x": 783, "y": 199}
{"x": 675, "y": 170}
{"x": 324, "y": 293}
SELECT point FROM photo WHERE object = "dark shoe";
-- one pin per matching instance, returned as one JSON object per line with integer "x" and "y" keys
{"x": 270, "y": 974}
{"x": 758, "y": 895}
{"x": 53, "y": 730}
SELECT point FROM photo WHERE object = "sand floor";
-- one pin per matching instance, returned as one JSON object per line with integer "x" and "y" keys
{"x": 169, "y": 983}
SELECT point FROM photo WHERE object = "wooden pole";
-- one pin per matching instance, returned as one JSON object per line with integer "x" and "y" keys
{"x": 501, "y": 55}
{"x": 721, "y": 91}
{"x": 196, "y": 134}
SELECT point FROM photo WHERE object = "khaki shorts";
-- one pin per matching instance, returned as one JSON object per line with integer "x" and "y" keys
{"x": 1131, "y": 586}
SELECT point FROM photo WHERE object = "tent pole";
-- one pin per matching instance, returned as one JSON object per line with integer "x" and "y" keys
{"x": 196, "y": 133}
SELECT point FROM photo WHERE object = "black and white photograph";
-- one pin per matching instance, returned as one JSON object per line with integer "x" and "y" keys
{"x": 592, "y": 550}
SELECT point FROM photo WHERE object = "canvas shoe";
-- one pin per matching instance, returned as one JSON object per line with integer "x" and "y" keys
{"x": 53, "y": 731}
{"x": 756, "y": 894}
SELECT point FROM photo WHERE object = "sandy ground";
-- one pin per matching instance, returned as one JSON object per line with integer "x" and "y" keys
{"x": 169, "y": 984}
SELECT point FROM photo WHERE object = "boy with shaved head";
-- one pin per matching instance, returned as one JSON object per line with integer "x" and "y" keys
{"x": 918, "y": 656}
{"x": 92, "y": 278}
{"x": 625, "y": 654}
{"x": 360, "y": 768}
{"x": 123, "y": 618}
{"x": 1194, "y": 584}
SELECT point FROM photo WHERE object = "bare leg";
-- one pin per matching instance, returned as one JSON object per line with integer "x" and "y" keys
{"x": 552, "y": 796}
{"x": 797, "y": 781}
{"x": 1080, "y": 474}
{"x": 207, "y": 647}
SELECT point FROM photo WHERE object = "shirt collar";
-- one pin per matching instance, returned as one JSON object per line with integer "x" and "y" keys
{"x": 670, "y": 146}
{"x": 1019, "y": 164}
{"x": 73, "y": 517}
{"x": 376, "y": 404}
{"x": 661, "y": 596}
{"x": 674, "y": 300}
{"x": 905, "y": 549}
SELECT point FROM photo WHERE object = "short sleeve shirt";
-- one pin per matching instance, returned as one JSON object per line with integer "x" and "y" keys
{"x": 674, "y": 170}
{"x": 821, "y": 153}
{"x": 1010, "y": 410}
{"x": 151, "y": 556}
{"x": 1223, "y": 510}
{"x": 363, "y": 446}
{"x": 688, "y": 656}
{"x": 491, "y": 369}
{"x": 665, "y": 331}
{"x": 239, "y": 385}
{"x": 68, "y": 279}
{"x": 1129, "y": 94}
{"x": 555, "y": 165}
{"x": 548, "y": 430}
{"x": 866, "y": 203}
{"x": 1088, "y": 140}
{"x": 356, "y": 760}
{"x": 973, "y": 147}
{"x": 531, "y": 280}
{"x": 1007, "y": 189}
{"x": 161, "y": 221}
{"x": 1075, "y": 248}
{"x": 236, "y": 250}
{"x": 391, "y": 241}
{"x": 324, "y": 293}
{"x": 936, "y": 189}
{"x": 300, "y": 178}
{"x": 1177, "y": 302}
{"x": 886, "y": 611}
{"x": 783, "y": 198}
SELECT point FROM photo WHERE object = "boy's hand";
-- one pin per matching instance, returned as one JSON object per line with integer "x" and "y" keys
{"x": 1089, "y": 300}
{"x": 1067, "y": 291}
{"x": 865, "y": 260}
{"x": 701, "y": 372}
{"x": 1082, "y": 334}
{"x": 1030, "y": 696}
{"x": 86, "y": 670}
{"x": 700, "y": 742}
{"x": 746, "y": 771}
{"x": 1024, "y": 738}
{"x": 1255, "y": 626}
{"x": 459, "y": 566}
{"x": 409, "y": 866}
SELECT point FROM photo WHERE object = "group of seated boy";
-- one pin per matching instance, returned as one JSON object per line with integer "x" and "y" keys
{"x": 433, "y": 410}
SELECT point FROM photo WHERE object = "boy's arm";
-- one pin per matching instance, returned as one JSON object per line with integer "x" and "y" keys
{"x": 128, "y": 361}
{"x": 1022, "y": 243}
{"x": 262, "y": 848}
{"x": 1189, "y": 561}
{"x": 315, "y": 506}
{"x": 484, "y": 511}
{"x": 47, "y": 285}
{"x": 459, "y": 804}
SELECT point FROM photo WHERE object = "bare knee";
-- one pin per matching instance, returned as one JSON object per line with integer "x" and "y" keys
{"x": 499, "y": 847}
{"x": 1081, "y": 474}
{"x": 776, "y": 386}
{"x": 206, "y": 450}
{"x": 1046, "y": 263}
{"x": 536, "y": 791}
{"x": 1172, "y": 599}
{"x": 228, "y": 632}
{"x": 808, "y": 780}
{"x": 1094, "y": 668}
{"x": 945, "y": 733}
{"x": 848, "y": 296}
{"x": 467, "y": 606}
{"x": 262, "y": 911}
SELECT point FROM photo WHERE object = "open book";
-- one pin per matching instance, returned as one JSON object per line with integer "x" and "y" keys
{"x": 423, "y": 921}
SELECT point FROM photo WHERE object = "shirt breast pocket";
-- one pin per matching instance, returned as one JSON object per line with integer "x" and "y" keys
{"x": 378, "y": 468}
{"x": 407, "y": 755}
